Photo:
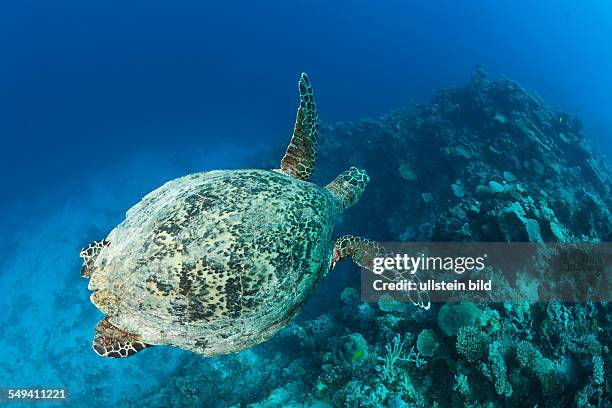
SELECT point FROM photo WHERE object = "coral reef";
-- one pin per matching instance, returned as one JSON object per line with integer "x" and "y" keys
{"x": 531, "y": 176}
{"x": 485, "y": 162}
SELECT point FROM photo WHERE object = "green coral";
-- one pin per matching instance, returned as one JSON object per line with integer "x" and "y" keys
{"x": 387, "y": 303}
{"x": 497, "y": 351}
{"x": 489, "y": 321}
{"x": 427, "y": 342}
{"x": 509, "y": 176}
{"x": 533, "y": 230}
{"x": 471, "y": 343}
{"x": 515, "y": 224}
{"x": 461, "y": 384}
{"x": 453, "y": 316}
{"x": 427, "y": 197}
{"x": 458, "y": 189}
{"x": 598, "y": 370}
{"x": 558, "y": 231}
{"x": 495, "y": 187}
{"x": 483, "y": 190}
{"x": 531, "y": 358}
{"x": 407, "y": 172}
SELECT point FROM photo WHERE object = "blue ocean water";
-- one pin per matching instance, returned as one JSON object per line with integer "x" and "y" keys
{"x": 101, "y": 102}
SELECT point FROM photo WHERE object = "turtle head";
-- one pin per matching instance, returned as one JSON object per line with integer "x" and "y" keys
{"x": 348, "y": 187}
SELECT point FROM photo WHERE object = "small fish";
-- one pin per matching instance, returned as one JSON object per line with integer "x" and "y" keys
{"x": 358, "y": 355}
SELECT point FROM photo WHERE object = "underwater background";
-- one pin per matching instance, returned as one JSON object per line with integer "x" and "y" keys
{"x": 476, "y": 121}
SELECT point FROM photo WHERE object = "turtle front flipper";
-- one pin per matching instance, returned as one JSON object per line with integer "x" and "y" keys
{"x": 299, "y": 160}
{"x": 113, "y": 342}
{"x": 363, "y": 251}
{"x": 89, "y": 254}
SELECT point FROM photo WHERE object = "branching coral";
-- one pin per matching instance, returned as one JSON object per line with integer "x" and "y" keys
{"x": 544, "y": 369}
{"x": 461, "y": 384}
{"x": 471, "y": 343}
{"x": 394, "y": 355}
{"x": 497, "y": 351}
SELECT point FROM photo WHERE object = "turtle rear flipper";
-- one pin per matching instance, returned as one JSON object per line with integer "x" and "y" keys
{"x": 113, "y": 342}
{"x": 89, "y": 255}
{"x": 299, "y": 160}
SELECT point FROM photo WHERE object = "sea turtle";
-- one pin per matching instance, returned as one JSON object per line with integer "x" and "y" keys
{"x": 216, "y": 262}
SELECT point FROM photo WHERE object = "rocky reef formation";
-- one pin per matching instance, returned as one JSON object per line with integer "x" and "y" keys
{"x": 485, "y": 162}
